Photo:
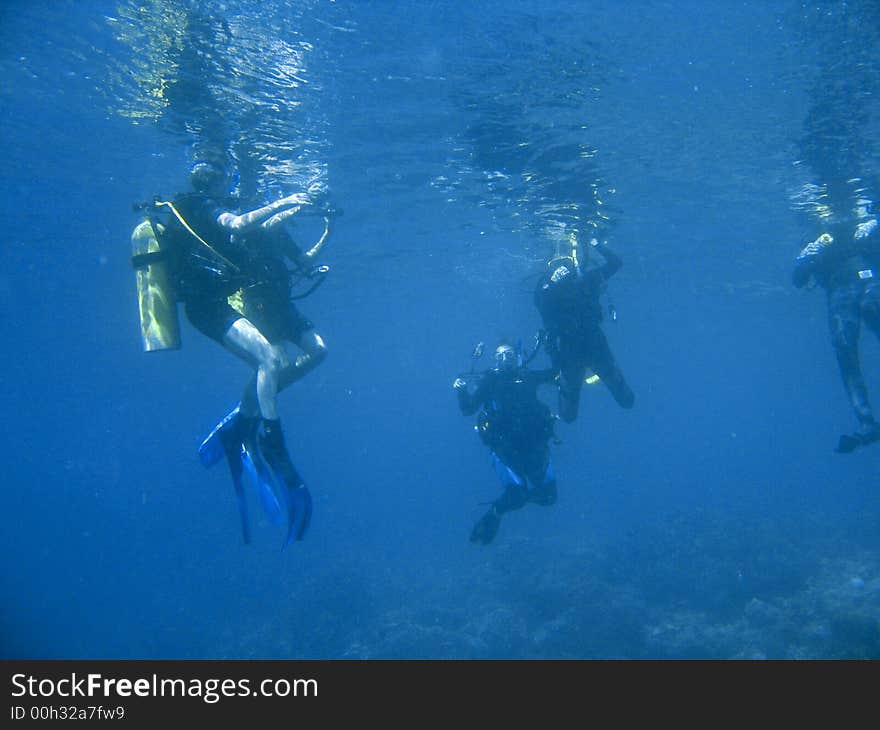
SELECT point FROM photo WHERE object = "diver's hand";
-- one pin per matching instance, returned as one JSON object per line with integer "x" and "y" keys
{"x": 316, "y": 190}
{"x": 459, "y": 383}
{"x": 294, "y": 199}
{"x": 865, "y": 229}
{"x": 559, "y": 273}
{"x": 811, "y": 249}
{"x": 815, "y": 247}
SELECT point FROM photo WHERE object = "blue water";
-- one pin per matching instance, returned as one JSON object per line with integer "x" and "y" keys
{"x": 460, "y": 141}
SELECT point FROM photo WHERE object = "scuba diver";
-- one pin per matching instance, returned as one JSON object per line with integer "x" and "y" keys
{"x": 516, "y": 426}
{"x": 230, "y": 272}
{"x": 846, "y": 263}
{"x": 567, "y": 298}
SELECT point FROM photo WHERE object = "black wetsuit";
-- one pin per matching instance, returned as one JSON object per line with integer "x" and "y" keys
{"x": 572, "y": 317}
{"x": 267, "y": 301}
{"x": 240, "y": 277}
{"x": 517, "y": 427}
{"x": 849, "y": 271}
{"x": 207, "y": 277}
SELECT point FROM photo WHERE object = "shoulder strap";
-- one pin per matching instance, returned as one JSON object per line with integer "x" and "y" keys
{"x": 196, "y": 235}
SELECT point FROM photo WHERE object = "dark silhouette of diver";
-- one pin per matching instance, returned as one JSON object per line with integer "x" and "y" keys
{"x": 845, "y": 261}
{"x": 567, "y": 297}
{"x": 516, "y": 426}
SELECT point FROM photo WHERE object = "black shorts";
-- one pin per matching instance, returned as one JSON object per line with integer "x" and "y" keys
{"x": 277, "y": 319}
{"x": 211, "y": 317}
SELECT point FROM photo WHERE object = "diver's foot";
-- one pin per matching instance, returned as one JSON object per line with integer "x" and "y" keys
{"x": 278, "y": 459}
{"x": 867, "y": 433}
{"x": 486, "y": 528}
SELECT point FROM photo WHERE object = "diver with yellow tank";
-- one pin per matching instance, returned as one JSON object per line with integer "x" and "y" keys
{"x": 229, "y": 270}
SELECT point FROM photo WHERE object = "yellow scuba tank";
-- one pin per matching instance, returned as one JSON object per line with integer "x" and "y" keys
{"x": 160, "y": 327}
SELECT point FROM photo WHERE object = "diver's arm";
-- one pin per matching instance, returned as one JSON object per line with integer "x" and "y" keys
{"x": 538, "y": 297}
{"x": 466, "y": 403}
{"x": 469, "y": 402}
{"x": 315, "y": 190}
{"x": 241, "y": 222}
{"x": 543, "y": 299}
{"x": 279, "y": 218}
{"x": 868, "y": 240}
{"x": 866, "y": 229}
{"x": 612, "y": 263}
{"x": 291, "y": 251}
{"x": 316, "y": 249}
{"x": 804, "y": 268}
{"x": 808, "y": 262}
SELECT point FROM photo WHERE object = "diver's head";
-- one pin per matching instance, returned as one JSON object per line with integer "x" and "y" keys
{"x": 560, "y": 260}
{"x": 209, "y": 178}
{"x": 506, "y": 358}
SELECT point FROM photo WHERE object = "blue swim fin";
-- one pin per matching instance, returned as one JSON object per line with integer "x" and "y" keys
{"x": 225, "y": 441}
{"x": 213, "y": 448}
{"x": 300, "y": 513}
{"x": 298, "y": 500}
{"x": 264, "y": 483}
{"x": 282, "y": 493}
{"x": 235, "y": 469}
{"x": 863, "y": 437}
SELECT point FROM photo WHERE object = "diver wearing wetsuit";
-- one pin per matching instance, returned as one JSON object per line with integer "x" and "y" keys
{"x": 567, "y": 298}
{"x": 846, "y": 263}
{"x": 516, "y": 426}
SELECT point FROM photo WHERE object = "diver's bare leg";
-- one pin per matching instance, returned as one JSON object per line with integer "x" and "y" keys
{"x": 247, "y": 342}
{"x": 314, "y": 351}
